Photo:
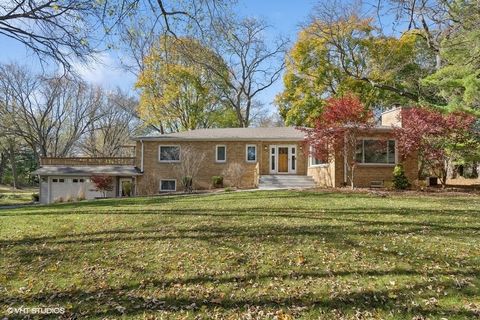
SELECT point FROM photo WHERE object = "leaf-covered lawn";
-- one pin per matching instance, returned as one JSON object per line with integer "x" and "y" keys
{"x": 9, "y": 196}
{"x": 283, "y": 254}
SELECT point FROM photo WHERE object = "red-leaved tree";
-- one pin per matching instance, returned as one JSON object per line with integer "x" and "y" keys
{"x": 337, "y": 130}
{"x": 439, "y": 139}
{"x": 102, "y": 183}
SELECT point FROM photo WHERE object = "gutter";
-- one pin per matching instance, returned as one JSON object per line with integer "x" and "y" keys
{"x": 226, "y": 139}
{"x": 141, "y": 156}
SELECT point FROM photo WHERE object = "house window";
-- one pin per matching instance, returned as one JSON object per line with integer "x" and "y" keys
{"x": 81, "y": 180}
{"x": 221, "y": 154}
{"x": 272, "y": 158}
{"x": 169, "y": 153}
{"x": 375, "y": 151}
{"x": 251, "y": 153}
{"x": 58, "y": 180}
{"x": 314, "y": 161}
{"x": 168, "y": 185}
{"x": 75, "y": 180}
{"x": 294, "y": 156}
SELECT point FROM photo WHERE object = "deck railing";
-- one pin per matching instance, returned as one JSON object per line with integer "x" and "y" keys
{"x": 87, "y": 161}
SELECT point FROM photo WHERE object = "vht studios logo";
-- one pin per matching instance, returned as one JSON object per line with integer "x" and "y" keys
{"x": 35, "y": 310}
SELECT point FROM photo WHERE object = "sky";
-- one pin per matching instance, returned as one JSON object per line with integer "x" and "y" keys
{"x": 285, "y": 17}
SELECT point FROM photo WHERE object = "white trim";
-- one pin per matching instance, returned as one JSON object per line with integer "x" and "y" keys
{"x": 216, "y": 153}
{"x": 376, "y": 164}
{"x": 169, "y": 145}
{"x": 310, "y": 161}
{"x": 274, "y": 155}
{"x": 290, "y": 156}
{"x": 320, "y": 165}
{"x": 246, "y": 153}
{"x": 168, "y": 180}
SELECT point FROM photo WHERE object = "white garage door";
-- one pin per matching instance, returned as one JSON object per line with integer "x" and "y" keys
{"x": 65, "y": 188}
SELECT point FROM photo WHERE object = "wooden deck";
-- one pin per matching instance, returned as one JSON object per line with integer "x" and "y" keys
{"x": 87, "y": 161}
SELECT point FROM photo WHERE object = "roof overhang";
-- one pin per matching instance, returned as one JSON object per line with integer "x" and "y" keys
{"x": 227, "y": 139}
{"x": 52, "y": 170}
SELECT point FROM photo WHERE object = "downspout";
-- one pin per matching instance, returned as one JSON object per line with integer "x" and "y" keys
{"x": 345, "y": 159}
{"x": 141, "y": 157}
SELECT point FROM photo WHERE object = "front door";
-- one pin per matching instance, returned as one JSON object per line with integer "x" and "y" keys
{"x": 283, "y": 159}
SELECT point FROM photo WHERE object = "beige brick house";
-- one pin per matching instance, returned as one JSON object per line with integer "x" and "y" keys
{"x": 268, "y": 157}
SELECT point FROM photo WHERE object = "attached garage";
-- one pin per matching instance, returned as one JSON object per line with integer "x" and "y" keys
{"x": 64, "y": 183}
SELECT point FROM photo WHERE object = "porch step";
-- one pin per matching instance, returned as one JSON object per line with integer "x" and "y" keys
{"x": 285, "y": 182}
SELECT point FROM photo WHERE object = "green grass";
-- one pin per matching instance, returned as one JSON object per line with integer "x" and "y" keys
{"x": 251, "y": 255}
{"x": 9, "y": 196}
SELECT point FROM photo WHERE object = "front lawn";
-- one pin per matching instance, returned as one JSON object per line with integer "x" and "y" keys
{"x": 9, "y": 196}
{"x": 252, "y": 255}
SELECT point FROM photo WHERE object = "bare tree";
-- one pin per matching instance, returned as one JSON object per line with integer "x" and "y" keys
{"x": 49, "y": 114}
{"x": 253, "y": 65}
{"x": 434, "y": 19}
{"x": 187, "y": 170}
{"x": 110, "y": 133}
{"x": 75, "y": 29}
{"x": 234, "y": 173}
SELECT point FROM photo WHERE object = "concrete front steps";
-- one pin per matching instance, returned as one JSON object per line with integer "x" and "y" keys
{"x": 278, "y": 181}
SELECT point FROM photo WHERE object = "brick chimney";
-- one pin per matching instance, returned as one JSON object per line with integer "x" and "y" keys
{"x": 392, "y": 117}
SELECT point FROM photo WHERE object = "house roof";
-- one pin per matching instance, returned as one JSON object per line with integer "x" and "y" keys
{"x": 231, "y": 134}
{"x": 87, "y": 170}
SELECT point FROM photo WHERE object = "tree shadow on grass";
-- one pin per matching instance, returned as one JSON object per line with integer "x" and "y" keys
{"x": 103, "y": 302}
{"x": 340, "y": 237}
{"x": 257, "y": 211}
{"x": 217, "y": 198}
{"x": 335, "y": 232}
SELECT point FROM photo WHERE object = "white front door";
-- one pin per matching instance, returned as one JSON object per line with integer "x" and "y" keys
{"x": 283, "y": 159}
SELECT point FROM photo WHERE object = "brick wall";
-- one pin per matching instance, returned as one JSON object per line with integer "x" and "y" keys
{"x": 323, "y": 175}
{"x": 392, "y": 117}
{"x": 366, "y": 173}
{"x": 154, "y": 170}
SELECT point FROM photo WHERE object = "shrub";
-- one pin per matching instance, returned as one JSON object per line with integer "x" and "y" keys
{"x": 81, "y": 195}
{"x": 400, "y": 180}
{"x": 235, "y": 173}
{"x": 187, "y": 183}
{"x": 35, "y": 197}
{"x": 217, "y": 181}
{"x": 127, "y": 189}
{"x": 149, "y": 185}
{"x": 103, "y": 183}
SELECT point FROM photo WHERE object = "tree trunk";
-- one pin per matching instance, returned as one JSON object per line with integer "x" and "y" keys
{"x": 461, "y": 170}
{"x": 13, "y": 163}
{"x": 475, "y": 170}
{"x": 352, "y": 175}
{"x": 3, "y": 164}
